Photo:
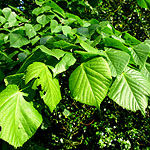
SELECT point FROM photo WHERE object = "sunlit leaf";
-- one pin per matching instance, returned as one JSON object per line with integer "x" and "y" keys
{"x": 49, "y": 85}
{"x": 18, "y": 118}
{"x": 90, "y": 82}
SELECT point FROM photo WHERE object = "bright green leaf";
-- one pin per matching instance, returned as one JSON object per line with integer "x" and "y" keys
{"x": 49, "y": 85}
{"x": 57, "y": 9}
{"x": 44, "y": 19}
{"x": 90, "y": 82}
{"x": 53, "y": 25}
{"x": 10, "y": 16}
{"x": 30, "y": 32}
{"x": 34, "y": 40}
{"x": 18, "y": 118}
{"x": 2, "y": 20}
{"x": 67, "y": 61}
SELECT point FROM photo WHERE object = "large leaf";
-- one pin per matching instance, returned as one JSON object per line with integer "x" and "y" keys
{"x": 90, "y": 81}
{"x": 117, "y": 60}
{"x": 18, "y": 118}
{"x": 130, "y": 90}
{"x": 49, "y": 85}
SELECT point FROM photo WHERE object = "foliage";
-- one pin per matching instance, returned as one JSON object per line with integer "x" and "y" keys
{"x": 96, "y": 60}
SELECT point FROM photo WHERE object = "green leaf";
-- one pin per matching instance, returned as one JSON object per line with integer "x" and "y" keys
{"x": 66, "y": 30}
{"x": 65, "y": 45}
{"x": 110, "y": 42}
{"x": 77, "y": 18}
{"x": 17, "y": 40}
{"x": 144, "y": 3}
{"x": 90, "y": 81}
{"x": 49, "y": 85}
{"x": 18, "y": 118}
{"x": 57, "y": 9}
{"x": 10, "y": 16}
{"x": 53, "y": 25}
{"x": 30, "y": 32}
{"x": 83, "y": 31}
{"x": 66, "y": 113}
{"x": 2, "y": 20}
{"x": 67, "y": 61}
{"x": 44, "y": 19}
{"x": 34, "y": 40}
{"x": 140, "y": 53}
{"x": 117, "y": 60}
{"x": 14, "y": 79}
{"x": 37, "y": 27}
{"x": 56, "y": 53}
{"x": 130, "y": 91}
{"x": 130, "y": 39}
{"x": 87, "y": 47}
{"x": 89, "y": 55}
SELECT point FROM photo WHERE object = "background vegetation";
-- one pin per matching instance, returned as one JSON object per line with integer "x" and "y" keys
{"x": 73, "y": 125}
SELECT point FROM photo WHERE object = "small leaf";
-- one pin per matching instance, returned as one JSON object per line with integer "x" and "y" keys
{"x": 10, "y": 16}
{"x": 2, "y": 20}
{"x": 67, "y": 61}
{"x": 30, "y": 32}
{"x": 90, "y": 82}
{"x": 87, "y": 47}
{"x": 17, "y": 40}
{"x": 44, "y": 19}
{"x": 53, "y": 25}
{"x": 18, "y": 118}
{"x": 66, "y": 30}
{"x": 35, "y": 40}
{"x": 55, "y": 53}
{"x": 50, "y": 86}
{"x": 66, "y": 113}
